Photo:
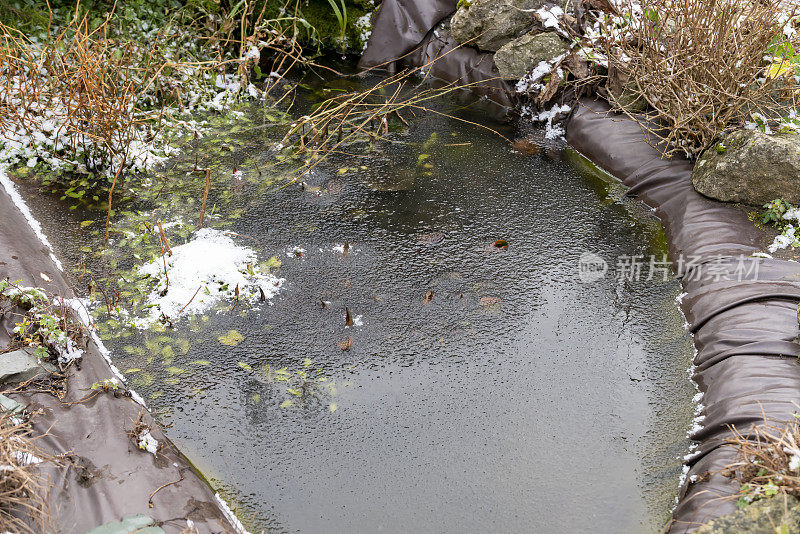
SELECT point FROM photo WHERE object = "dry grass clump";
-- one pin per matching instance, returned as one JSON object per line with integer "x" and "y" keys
{"x": 93, "y": 95}
{"x": 700, "y": 64}
{"x": 90, "y": 99}
{"x": 81, "y": 89}
{"x": 768, "y": 461}
{"x": 23, "y": 493}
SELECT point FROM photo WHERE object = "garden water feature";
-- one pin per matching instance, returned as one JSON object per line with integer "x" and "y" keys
{"x": 478, "y": 388}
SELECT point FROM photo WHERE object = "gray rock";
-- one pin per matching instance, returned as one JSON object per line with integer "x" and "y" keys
{"x": 764, "y": 516}
{"x": 8, "y": 404}
{"x": 140, "y": 524}
{"x": 516, "y": 58}
{"x": 751, "y": 167}
{"x": 492, "y": 23}
{"x": 19, "y": 366}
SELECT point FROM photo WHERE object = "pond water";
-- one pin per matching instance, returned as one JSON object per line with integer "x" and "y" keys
{"x": 483, "y": 390}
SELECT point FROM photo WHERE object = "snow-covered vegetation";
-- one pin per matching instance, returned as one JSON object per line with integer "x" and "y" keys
{"x": 49, "y": 329}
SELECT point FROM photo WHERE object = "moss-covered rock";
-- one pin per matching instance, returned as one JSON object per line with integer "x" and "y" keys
{"x": 764, "y": 516}
{"x": 751, "y": 167}
{"x": 490, "y": 24}
{"x": 516, "y": 58}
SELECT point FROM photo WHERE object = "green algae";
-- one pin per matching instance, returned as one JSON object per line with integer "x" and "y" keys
{"x": 231, "y": 338}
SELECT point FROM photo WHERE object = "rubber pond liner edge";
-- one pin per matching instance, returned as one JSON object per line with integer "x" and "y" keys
{"x": 745, "y": 331}
{"x": 104, "y": 476}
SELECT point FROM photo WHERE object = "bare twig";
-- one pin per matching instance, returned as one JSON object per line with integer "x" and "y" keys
{"x": 205, "y": 198}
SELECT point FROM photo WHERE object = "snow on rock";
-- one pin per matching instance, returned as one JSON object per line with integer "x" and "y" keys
{"x": 532, "y": 80}
{"x": 551, "y": 19}
{"x": 204, "y": 271}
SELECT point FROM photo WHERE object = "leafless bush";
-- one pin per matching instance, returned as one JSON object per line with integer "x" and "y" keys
{"x": 699, "y": 64}
{"x": 90, "y": 96}
{"x": 80, "y": 91}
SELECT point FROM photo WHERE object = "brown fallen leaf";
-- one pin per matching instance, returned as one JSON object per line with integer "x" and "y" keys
{"x": 348, "y": 318}
{"x": 502, "y": 244}
{"x": 335, "y": 186}
{"x": 572, "y": 23}
{"x": 432, "y": 238}
{"x": 601, "y": 5}
{"x": 346, "y": 344}
{"x": 428, "y": 297}
{"x": 325, "y": 304}
{"x": 577, "y": 66}
{"x": 489, "y": 301}
{"x": 525, "y": 147}
{"x": 550, "y": 89}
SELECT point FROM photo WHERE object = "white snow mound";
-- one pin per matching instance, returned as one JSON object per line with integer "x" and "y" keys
{"x": 212, "y": 263}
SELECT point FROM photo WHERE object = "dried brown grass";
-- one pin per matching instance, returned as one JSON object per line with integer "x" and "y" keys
{"x": 106, "y": 92}
{"x": 764, "y": 458}
{"x": 699, "y": 64}
{"x": 23, "y": 492}
{"x": 86, "y": 81}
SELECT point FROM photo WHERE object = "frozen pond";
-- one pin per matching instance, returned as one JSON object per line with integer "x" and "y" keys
{"x": 482, "y": 390}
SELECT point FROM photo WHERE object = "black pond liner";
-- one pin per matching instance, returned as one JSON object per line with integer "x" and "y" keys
{"x": 744, "y": 327}
{"x": 404, "y": 34}
{"x": 744, "y": 330}
{"x": 105, "y": 477}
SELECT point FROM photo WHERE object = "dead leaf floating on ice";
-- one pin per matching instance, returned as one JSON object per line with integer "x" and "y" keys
{"x": 431, "y": 238}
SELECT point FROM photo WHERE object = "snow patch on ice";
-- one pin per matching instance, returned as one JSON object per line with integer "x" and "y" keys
{"x": 202, "y": 272}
